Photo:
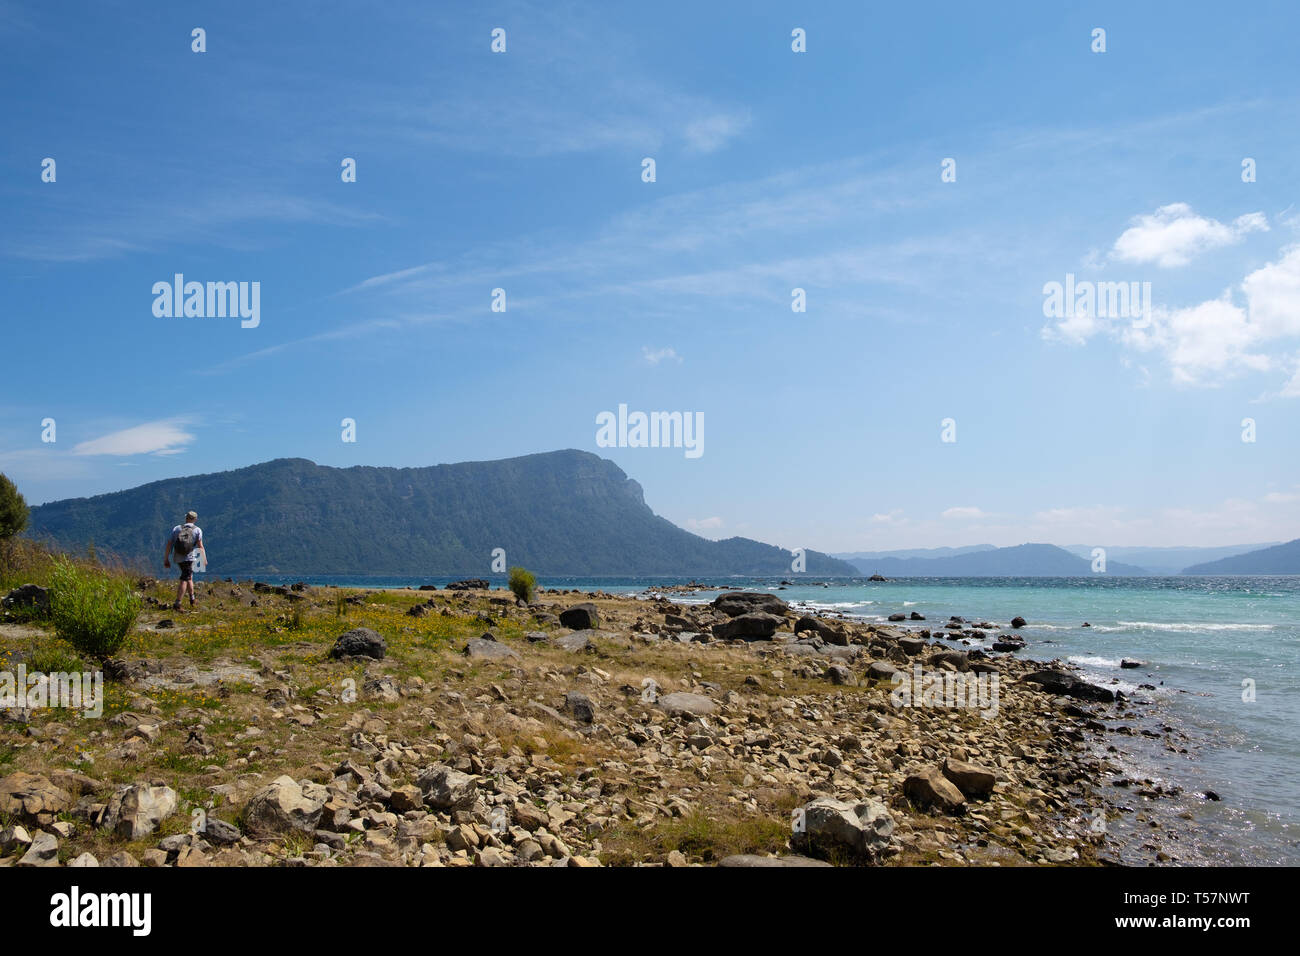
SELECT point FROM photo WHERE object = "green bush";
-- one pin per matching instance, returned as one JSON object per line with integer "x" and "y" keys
{"x": 91, "y": 610}
{"x": 13, "y": 509}
{"x": 522, "y": 583}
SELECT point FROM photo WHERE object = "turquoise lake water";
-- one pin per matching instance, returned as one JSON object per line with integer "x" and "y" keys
{"x": 1205, "y": 643}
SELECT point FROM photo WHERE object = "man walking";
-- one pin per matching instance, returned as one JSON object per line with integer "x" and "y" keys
{"x": 186, "y": 542}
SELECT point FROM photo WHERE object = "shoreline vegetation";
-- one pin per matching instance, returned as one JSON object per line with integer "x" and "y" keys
{"x": 299, "y": 725}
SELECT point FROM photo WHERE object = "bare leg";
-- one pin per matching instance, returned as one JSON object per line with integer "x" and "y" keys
{"x": 180, "y": 591}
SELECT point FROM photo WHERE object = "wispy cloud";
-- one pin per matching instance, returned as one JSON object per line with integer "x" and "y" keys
{"x": 152, "y": 438}
{"x": 655, "y": 356}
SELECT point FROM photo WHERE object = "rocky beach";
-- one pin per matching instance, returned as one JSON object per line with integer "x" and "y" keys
{"x": 462, "y": 727}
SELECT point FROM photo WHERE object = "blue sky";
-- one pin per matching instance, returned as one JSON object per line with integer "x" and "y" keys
{"x": 775, "y": 170}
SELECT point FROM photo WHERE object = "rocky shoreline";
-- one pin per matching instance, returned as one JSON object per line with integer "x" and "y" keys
{"x": 464, "y": 727}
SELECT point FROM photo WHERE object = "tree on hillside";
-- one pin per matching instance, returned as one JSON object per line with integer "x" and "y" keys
{"x": 13, "y": 509}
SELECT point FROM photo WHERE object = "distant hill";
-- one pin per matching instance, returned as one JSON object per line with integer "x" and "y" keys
{"x": 859, "y": 556}
{"x": 1169, "y": 560}
{"x": 1023, "y": 560}
{"x": 1279, "y": 559}
{"x": 558, "y": 513}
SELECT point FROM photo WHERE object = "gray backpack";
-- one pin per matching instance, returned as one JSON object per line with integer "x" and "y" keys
{"x": 186, "y": 540}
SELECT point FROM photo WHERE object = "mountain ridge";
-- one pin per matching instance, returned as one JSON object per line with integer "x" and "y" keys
{"x": 1277, "y": 559}
{"x": 566, "y": 512}
{"x": 1022, "y": 560}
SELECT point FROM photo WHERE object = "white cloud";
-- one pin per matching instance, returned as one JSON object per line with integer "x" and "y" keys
{"x": 655, "y": 356}
{"x": 702, "y": 525}
{"x": 1074, "y": 329}
{"x": 1173, "y": 234}
{"x": 892, "y": 517}
{"x": 1210, "y": 341}
{"x": 1220, "y": 337}
{"x": 710, "y": 133}
{"x": 157, "y": 438}
{"x": 965, "y": 513}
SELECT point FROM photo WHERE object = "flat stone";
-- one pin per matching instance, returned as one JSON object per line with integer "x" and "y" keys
{"x": 682, "y": 702}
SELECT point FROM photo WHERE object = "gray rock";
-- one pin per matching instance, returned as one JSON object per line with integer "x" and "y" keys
{"x": 447, "y": 789}
{"x": 756, "y": 625}
{"x": 282, "y": 808}
{"x": 480, "y": 649}
{"x": 580, "y": 706}
{"x": 135, "y": 811}
{"x": 828, "y": 827}
{"x": 44, "y": 851}
{"x": 681, "y": 702}
{"x": 221, "y": 833}
{"x": 839, "y": 674}
{"x": 359, "y": 642}
{"x": 1059, "y": 682}
{"x": 736, "y": 603}
{"x": 27, "y": 596}
{"x": 577, "y": 641}
{"x": 14, "y": 838}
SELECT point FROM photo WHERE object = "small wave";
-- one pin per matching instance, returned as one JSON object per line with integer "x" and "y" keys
{"x": 910, "y": 603}
{"x": 1085, "y": 661}
{"x": 1190, "y": 626}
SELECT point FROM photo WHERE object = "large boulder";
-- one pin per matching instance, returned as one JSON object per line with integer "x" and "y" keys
{"x": 736, "y": 603}
{"x": 577, "y": 641}
{"x": 470, "y": 584}
{"x": 754, "y": 626}
{"x": 581, "y": 617}
{"x": 971, "y": 779}
{"x": 580, "y": 706}
{"x": 136, "y": 810}
{"x": 27, "y": 596}
{"x": 487, "y": 649}
{"x": 822, "y": 628}
{"x": 911, "y": 646}
{"x": 930, "y": 788}
{"x": 32, "y": 798}
{"x": 880, "y": 670}
{"x": 447, "y": 789}
{"x": 283, "y": 807}
{"x": 359, "y": 642}
{"x": 857, "y": 832}
{"x": 1067, "y": 685}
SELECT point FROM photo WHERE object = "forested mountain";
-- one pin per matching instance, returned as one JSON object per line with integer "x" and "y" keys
{"x": 1279, "y": 559}
{"x": 558, "y": 513}
{"x": 1023, "y": 560}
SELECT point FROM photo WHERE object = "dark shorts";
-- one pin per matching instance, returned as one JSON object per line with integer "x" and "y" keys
{"x": 187, "y": 570}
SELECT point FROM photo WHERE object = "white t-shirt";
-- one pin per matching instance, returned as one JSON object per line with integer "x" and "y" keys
{"x": 198, "y": 539}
